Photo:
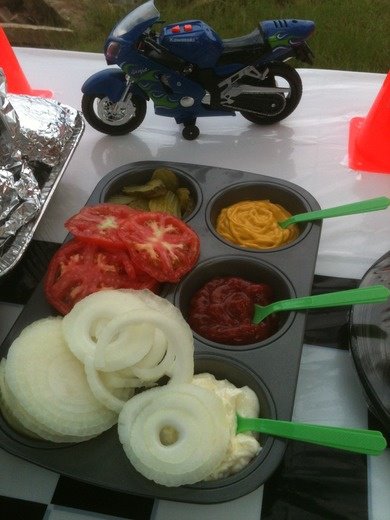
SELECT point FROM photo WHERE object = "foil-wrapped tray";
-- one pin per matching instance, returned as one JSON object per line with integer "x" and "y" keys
{"x": 37, "y": 139}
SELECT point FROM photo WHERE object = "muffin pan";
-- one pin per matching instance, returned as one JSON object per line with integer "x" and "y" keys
{"x": 269, "y": 367}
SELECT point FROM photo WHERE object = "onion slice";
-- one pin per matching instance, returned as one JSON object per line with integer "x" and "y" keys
{"x": 157, "y": 342}
{"x": 200, "y": 440}
{"x": 177, "y": 334}
{"x": 8, "y": 407}
{"x": 119, "y": 379}
{"x": 22, "y": 422}
{"x": 112, "y": 398}
{"x": 49, "y": 381}
{"x": 89, "y": 316}
{"x": 119, "y": 347}
{"x": 156, "y": 353}
{"x": 153, "y": 374}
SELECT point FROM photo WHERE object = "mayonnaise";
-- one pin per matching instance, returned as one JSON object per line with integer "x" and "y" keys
{"x": 243, "y": 446}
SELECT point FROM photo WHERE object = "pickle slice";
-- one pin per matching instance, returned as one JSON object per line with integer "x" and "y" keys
{"x": 168, "y": 177}
{"x": 152, "y": 188}
{"x": 139, "y": 203}
{"x": 183, "y": 194}
{"x": 120, "y": 199}
{"x": 131, "y": 201}
{"x": 160, "y": 193}
{"x": 168, "y": 203}
{"x": 187, "y": 203}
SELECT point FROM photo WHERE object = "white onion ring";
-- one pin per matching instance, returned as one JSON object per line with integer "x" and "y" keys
{"x": 177, "y": 333}
{"x": 196, "y": 414}
{"x": 156, "y": 353}
{"x": 88, "y": 331}
{"x": 21, "y": 421}
{"x": 120, "y": 346}
{"x": 111, "y": 398}
{"x": 153, "y": 374}
{"x": 118, "y": 379}
{"x": 157, "y": 362}
{"x": 8, "y": 407}
{"x": 81, "y": 324}
{"x": 48, "y": 381}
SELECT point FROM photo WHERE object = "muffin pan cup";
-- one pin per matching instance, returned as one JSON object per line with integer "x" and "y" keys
{"x": 269, "y": 367}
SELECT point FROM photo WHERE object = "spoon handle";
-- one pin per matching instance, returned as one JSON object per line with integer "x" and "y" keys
{"x": 363, "y": 206}
{"x": 369, "y": 442}
{"x": 372, "y": 294}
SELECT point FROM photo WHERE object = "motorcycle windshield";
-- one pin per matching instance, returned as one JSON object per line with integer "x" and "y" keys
{"x": 143, "y": 16}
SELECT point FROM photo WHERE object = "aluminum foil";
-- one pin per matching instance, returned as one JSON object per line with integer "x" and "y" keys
{"x": 37, "y": 138}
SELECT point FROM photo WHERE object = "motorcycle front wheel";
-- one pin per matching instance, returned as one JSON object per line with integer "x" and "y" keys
{"x": 111, "y": 118}
{"x": 277, "y": 75}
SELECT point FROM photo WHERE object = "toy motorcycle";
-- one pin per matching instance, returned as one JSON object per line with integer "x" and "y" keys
{"x": 188, "y": 71}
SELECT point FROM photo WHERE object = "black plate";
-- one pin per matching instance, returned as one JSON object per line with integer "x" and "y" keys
{"x": 370, "y": 343}
{"x": 269, "y": 367}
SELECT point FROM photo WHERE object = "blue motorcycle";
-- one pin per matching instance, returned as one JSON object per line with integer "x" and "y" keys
{"x": 188, "y": 71}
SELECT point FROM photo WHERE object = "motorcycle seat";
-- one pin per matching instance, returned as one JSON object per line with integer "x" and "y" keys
{"x": 243, "y": 49}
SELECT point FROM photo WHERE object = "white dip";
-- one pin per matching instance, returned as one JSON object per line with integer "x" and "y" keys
{"x": 243, "y": 446}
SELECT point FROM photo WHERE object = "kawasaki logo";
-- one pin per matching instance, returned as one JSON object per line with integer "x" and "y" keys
{"x": 181, "y": 39}
{"x": 131, "y": 70}
{"x": 137, "y": 72}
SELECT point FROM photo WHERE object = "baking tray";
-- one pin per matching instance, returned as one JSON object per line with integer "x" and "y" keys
{"x": 14, "y": 247}
{"x": 370, "y": 343}
{"x": 270, "y": 367}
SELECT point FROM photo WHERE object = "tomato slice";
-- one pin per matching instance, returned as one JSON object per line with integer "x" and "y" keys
{"x": 160, "y": 244}
{"x": 99, "y": 224}
{"x": 79, "y": 268}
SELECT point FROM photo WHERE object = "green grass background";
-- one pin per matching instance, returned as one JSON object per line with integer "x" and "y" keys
{"x": 350, "y": 34}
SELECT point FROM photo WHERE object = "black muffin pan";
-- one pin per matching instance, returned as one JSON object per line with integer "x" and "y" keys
{"x": 270, "y": 367}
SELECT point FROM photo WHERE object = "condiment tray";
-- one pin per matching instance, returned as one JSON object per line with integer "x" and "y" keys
{"x": 270, "y": 367}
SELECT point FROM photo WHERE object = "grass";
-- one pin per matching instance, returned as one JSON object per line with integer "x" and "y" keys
{"x": 350, "y": 34}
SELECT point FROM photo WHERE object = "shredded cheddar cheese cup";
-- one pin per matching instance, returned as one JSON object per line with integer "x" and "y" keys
{"x": 254, "y": 224}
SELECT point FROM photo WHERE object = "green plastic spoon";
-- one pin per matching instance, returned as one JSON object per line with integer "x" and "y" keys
{"x": 369, "y": 442}
{"x": 372, "y": 294}
{"x": 362, "y": 206}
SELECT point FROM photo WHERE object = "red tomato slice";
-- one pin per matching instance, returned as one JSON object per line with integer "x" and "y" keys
{"x": 79, "y": 268}
{"x": 100, "y": 224}
{"x": 161, "y": 245}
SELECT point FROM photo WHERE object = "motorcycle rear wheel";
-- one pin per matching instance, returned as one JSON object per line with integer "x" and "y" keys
{"x": 113, "y": 118}
{"x": 279, "y": 74}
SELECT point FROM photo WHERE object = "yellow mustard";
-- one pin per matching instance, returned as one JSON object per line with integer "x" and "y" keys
{"x": 254, "y": 224}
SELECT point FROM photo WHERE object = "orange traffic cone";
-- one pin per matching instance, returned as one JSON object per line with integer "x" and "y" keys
{"x": 369, "y": 137}
{"x": 16, "y": 80}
